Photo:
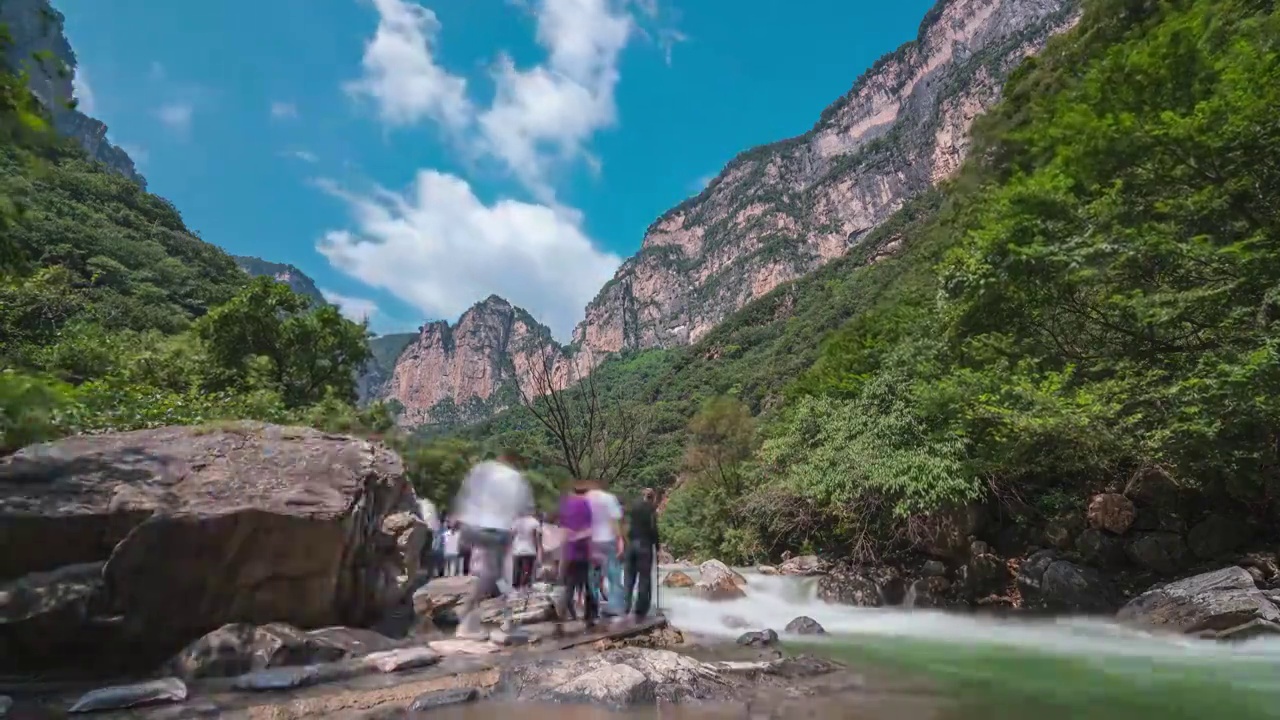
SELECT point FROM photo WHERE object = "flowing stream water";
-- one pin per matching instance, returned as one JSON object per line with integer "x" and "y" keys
{"x": 1010, "y": 667}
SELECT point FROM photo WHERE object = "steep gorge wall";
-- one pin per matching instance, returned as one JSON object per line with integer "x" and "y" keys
{"x": 779, "y": 211}
{"x": 39, "y": 47}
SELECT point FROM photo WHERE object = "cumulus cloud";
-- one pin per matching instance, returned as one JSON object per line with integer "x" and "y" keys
{"x": 176, "y": 115}
{"x": 439, "y": 248}
{"x": 354, "y": 308}
{"x": 546, "y": 114}
{"x": 401, "y": 76}
{"x": 83, "y": 92}
{"x": 283, "y": 110}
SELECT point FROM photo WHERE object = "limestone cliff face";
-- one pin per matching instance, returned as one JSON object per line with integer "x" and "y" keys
{"x": 297, "y": 280}
{"x": 779, "y": 211}
{"x": 40, "y": 47}
{"x": 465, "y": 372}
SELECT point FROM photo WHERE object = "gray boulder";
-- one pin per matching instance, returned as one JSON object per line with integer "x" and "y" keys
{"x": 804, "y": 625}
{"x": 1218, "y": 600}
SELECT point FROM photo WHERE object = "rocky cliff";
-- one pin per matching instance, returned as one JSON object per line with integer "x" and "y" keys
{"x": 779, "y": 211}
{"x": 465, "y": 372}
{"x": 38, "y": 46}
{"x": 297, "y": 280}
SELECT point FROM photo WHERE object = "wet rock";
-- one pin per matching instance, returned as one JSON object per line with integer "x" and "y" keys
{"x": 443, "y": 698}
{"x": 767, "y": 570}
{"x": 292, "y": 521}
{"x": 718, "y": 589}
{"x": 1248, "y": 631}
{"x": 126, "y": 696}
{"x": 849, "y": 587}
{"x": 1151, "y": 486}
{"x": 284, "y": 678}
{"x": 664, "y": 557}
{"x": 1215, "y": 536}
{"x": 239, "y": 648}
{"x": 439, "y": 600}
{"x": 934, "y": 568}
{"x": 984, "y": 574}
{"x": 712, "y": 571}
{"x": 760, "y": 638}
{"x": 615, "y": 679}
{"x": 510, "y": 639}
{"x": 929, "y": 592}
{"x": 1067, "y": 586}
{"x": 1100, "y": 549}
{"x": 733, "y": 622}
{"x": 677, "y": 579}
{"x": 1162, "y": 552}
{"x": 804, "y": 625}
{"x": 1263, "y": 566}
{"x": 803, "y": 565}
{"x": 389, "y": 661}
{"x": 45, "y": 615}
{"x": 1031, "y": 572}
{"x": 1112, "y": 512}
{"x": 1217, "y": 601}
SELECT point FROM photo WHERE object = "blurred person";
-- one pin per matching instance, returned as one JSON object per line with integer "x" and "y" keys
{"x": 526, "y": 546}
{"x": 452, "y": 562}
{"x": 607, "y": 547}
{"x": 427, "y": 512}
{"x": 492, "y": 496}
{"x": 642, "y": 548}
{"x": 575, "y": 555}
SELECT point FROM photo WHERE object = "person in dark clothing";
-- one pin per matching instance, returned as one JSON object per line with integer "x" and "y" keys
{"x": 642, "y": 547}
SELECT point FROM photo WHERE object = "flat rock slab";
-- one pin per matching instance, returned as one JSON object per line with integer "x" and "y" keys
{"x": 166, "y": 690}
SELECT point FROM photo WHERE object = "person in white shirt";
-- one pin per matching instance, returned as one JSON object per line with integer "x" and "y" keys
{"x": 525, "y": 546}
{"x": 431, "y": 558}
{"x": 606, "y": 540}
{"x": 452, "y": 563}
{"x": 492, "y": 496}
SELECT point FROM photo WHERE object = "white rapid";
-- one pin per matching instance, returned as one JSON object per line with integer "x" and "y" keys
{"x": 773, "y": 601}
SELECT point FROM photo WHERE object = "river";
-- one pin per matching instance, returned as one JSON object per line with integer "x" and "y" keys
{"x": 1014, "y": 668}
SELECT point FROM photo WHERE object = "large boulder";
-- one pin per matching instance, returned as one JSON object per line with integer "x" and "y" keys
{"x": 712, "y": 570}
{"x": 1112, "y": 512}
{"x": 718, "y": 581}
{"x": 677, "y": 579}
{"x": 861, "y": 587}
{"x": 438, "y": 601}
{"x": 204, "y": 526}
{"x": 1218, "y": 600}
{"x": 1047, "y": 581}
{"x": 1216, "y": 535}
{"x": 617, "y": 679}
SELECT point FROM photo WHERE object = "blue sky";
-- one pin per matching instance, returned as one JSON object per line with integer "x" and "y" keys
{"x": 414, "y": 157}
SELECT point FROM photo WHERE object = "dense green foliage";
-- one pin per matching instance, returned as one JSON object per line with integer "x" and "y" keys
{"x": 114, "y": 316}
{"x": 1095, "y": 292}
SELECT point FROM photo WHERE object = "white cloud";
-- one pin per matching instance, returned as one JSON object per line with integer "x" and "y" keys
{"x": 283, "y": 110}
{"x": 439, "y": 248}
{"x": 545, "y": 115}
{"x": 401, "y": 76}
{"x": 176, "y": 115}
{"x": 354, "y": 308}
{"x": 83, "y": 92}
{"x": 304, "y": 155}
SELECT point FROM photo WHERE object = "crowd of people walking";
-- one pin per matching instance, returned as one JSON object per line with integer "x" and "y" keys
{"x": 598, "y": 554}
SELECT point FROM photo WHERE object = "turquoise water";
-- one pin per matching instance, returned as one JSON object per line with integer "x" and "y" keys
{"x": 1012, "y": 668}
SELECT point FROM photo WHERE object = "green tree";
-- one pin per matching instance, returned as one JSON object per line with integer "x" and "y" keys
{"x": 269, "y": 334}
{"x": 722, "y": 438}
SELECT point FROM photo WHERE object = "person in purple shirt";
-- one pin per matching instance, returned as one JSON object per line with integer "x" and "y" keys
{"x": 575, "y": 519}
